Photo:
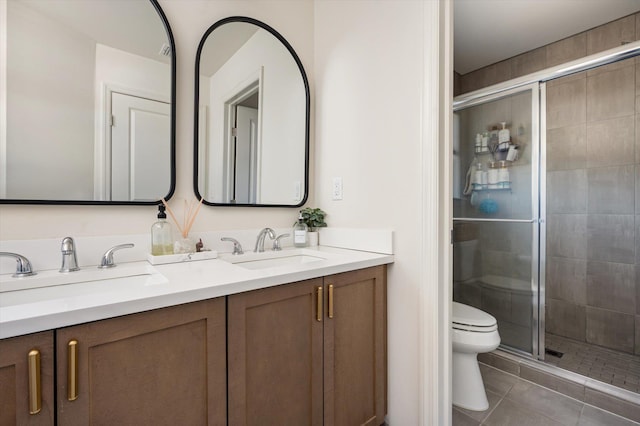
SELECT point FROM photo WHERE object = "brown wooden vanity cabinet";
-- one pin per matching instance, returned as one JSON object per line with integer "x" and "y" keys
{"x": 312, "y": 352}
{"x": 166, "y": 366}
{"x": 26, "y": 380}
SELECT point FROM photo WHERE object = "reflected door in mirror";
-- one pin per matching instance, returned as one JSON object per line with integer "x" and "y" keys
{"x": 60, "y": 63}
{"x": 244, "y": 66}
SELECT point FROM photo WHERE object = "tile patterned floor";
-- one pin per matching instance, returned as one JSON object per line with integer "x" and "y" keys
{"x": 514, "y": 401}
{"x": 606, "y": 365}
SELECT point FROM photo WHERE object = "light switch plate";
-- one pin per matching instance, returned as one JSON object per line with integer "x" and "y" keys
{"x": 337, "y": 188}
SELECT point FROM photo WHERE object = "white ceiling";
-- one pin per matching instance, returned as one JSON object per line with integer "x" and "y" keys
{"x": 488, "y": 31}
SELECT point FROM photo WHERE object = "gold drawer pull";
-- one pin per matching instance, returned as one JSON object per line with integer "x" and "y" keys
{"x": 35, "y": 387}
{"x": 331, "y": 301}
{"x": 319, "y": 308}
{"x": 72, "y": 371}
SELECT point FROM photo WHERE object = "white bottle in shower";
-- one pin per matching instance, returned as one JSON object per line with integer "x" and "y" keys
{"x": 493, "y": 176}
{"x": 504, "y": 137}
{"x": 503, "y": 175}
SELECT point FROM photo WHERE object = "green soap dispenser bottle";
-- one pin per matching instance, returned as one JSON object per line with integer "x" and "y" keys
{"x": 161, "y": 235}
{"x": 300, "y": 232}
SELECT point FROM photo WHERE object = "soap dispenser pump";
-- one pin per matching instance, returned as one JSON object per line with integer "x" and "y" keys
{"x": 300, "y": 232}
{"x": 161, "y": 235}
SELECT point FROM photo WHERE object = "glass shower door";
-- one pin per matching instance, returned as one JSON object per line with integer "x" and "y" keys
{"x": 496, "y": 211}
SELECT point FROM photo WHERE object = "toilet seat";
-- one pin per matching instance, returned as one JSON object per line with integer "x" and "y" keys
{"x": 468, "y": 318}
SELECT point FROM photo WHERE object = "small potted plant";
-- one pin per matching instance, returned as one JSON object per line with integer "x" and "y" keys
{"x": 314, "y": 219}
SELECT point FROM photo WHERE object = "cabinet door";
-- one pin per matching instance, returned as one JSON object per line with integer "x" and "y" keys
{"x": 26, "y": 364}
{"x": 275, "y": 355}
{"x": 162, "y": 367}
{"x": 355, "y": 348}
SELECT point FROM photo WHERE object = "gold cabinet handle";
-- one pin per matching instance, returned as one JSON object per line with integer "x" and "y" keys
{"x": 319, "y": 309}
{"x": 331, "y": 301}
{"x": 35, "y": 386}
{"x": 72, "y": 370}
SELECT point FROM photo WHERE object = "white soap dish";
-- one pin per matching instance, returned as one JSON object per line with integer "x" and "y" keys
{"x": 182, "y": 257}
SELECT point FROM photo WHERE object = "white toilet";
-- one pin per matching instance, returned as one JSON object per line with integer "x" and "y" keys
{"x": 473, "y": 332}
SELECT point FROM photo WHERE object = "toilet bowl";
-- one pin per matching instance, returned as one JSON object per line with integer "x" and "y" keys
{"x": 473, "y": 332}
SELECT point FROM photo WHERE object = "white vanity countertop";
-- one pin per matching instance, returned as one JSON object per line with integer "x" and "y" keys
{"x": 39, "y": 309}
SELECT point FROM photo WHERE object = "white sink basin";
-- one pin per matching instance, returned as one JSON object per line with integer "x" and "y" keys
{"x": 275, "y": 259}
{"x": 86, "y": 274}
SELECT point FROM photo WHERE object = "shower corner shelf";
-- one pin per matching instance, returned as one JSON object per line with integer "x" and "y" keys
{"x": 491, "y": 189}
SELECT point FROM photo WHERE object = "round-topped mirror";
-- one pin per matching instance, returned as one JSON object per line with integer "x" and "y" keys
{"x": 87, "y": 102}
{"x": 251, "y": 117}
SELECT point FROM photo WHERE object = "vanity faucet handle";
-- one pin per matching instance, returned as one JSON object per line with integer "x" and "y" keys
{"x": 107, "y": 257}
{"x": 23, "y": 266}
{"x": 276, "y": 242}
{"x": 237, "y": 248}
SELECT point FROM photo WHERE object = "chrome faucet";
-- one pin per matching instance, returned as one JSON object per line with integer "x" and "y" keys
{"x": 260, "y": 241}
{"x": 69, "y": 259}
{"x": 107, "y": 257}
{"x": 237, "y": 247}
{"x": 276, "y": 242}
{"x": 23, "y": 266}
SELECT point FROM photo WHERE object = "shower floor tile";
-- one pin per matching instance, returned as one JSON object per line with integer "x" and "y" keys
{"x": 606, "y": 365}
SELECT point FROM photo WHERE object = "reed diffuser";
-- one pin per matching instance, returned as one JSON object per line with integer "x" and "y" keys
{"x": 185, "y": 244}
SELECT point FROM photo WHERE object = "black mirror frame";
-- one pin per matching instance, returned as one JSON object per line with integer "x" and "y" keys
{"x": 164, "y": 20}
{"x": 197, "y": 101}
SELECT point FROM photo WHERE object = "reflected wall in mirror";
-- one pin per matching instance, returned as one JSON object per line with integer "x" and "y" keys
{"x": 252, "y": 117}
{"x": 87, "y": 102}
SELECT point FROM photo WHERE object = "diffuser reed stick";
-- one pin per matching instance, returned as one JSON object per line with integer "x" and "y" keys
{"x": 189, "y": 216}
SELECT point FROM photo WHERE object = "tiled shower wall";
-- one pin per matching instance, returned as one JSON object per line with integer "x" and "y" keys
{"x": 593, "y": 212}
{"x": 593, "y": 186}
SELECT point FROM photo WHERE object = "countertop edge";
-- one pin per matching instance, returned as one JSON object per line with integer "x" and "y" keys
{"x": 83, "y": 314}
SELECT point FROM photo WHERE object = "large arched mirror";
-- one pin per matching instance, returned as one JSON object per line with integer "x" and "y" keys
{"x": 251, "y": 117}
{"x": 87, "y": 102}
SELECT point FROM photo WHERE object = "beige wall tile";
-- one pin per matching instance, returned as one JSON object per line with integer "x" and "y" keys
{"x": 497, "y": 73}
{"x": 611, "y": 286}
{"x": 638, "y": 132}
{"x": 472, "y": 81}
{"x": 567, "y": 191}
{"x": 567, "y": 103}
{"x": 611, "y": 190}
{"x": 610, "y": 329}
{"x": 567, "y": 235}
{"x": 566, "y": 279}
{"x": 611, "y": 142}
{"x": 638, "y": 193}
{"x": 457, "y": 84}
{"x": 637, "y": 347}
{"x": 611, "y": 35}
{"x": 611, "y": 94}
{"x": 566, "y": 50}
{"x": 611, "y": 238}
{"x": 565, "y": 319}
{"x": 567, "y": 148}
{"x": 611, "y": 67}
{"x": 531, "y": 61}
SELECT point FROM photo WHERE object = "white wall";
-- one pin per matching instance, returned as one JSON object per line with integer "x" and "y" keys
{"x": 376, "y": 86}
{"x": 57, "y": 94}
{"x": 189, "y": 19}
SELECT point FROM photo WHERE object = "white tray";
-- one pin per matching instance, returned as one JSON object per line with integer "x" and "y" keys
{"x": 182, "y": 257}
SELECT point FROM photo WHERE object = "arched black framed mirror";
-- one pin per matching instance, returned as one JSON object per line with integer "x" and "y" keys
{"x": 251, "y": 117}
{"x": 88, "y": 90}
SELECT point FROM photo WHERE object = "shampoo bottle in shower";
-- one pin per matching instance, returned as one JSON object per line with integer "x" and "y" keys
{"x": 503, "y": 137}
{"x": 161, "y": 235}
